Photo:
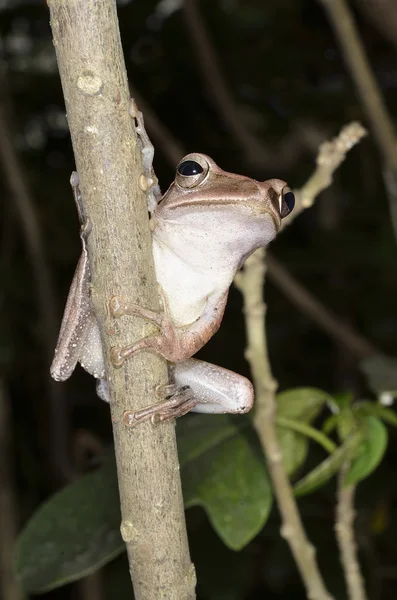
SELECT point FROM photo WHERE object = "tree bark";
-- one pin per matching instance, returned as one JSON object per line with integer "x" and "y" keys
{"x": 94, "y": 81}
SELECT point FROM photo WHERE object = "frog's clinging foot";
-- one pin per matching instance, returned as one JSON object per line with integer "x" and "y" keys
{"x": 119, "y": 307}
{"x": 180, "y": 403}
{"x": 165, "y": 343}
{"x": 156, "y": 343}
{"x": 164, "y": 391}
{"x": 118, "y": 355}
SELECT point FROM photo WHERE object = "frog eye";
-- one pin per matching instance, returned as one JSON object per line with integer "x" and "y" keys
{"x": 189, "y": 167}
{"x": 191, "y": 171}
{"x": 286, "y": 202}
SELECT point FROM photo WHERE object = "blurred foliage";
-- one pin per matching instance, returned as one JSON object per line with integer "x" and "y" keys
{"x": 222, "y": 467}
{"x": 289, "y": 82}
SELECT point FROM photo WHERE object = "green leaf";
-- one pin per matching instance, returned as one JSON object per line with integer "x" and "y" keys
{"x": 381, "y": 372}
{"x": 198, "y": 434}
{"x": 294, "y": 447}
{"x": 331, "y": 465}
{"x": 346, "y": 422}
{"x": 303, "y": 404}
{"x": 372, "y": 449}
{"x": 377, "y": 410}
{"x": 344, "y": 418}
{"x": 297, "y": 404}
{"x": 308, "y": 431}
{"x": 330, "y": 424}
{"x": 223, "y": 470}
{"x": 78, "y": 529}
{"x": 72, "y": 534}
{"x": 343, "y": 400}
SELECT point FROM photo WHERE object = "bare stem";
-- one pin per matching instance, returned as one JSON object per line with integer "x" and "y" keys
{"x": 227, "y": 108}
{"x": 26, "y": 213}
{"x": 91, "y": 65}
{"x": 215, "y": 82}
{"x": 251, "y": 281}
{"x": 330, "y": 156}
{"x": 344, "y": 528}
{"x": 345, "y": 28}
{"x": 382, "y": 14}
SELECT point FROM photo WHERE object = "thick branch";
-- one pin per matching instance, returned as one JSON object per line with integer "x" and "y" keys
{"x": 344, "y": 528}
{"x": 108, "y": 161}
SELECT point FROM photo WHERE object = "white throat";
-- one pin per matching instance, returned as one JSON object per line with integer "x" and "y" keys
{"x": 197, "y": 256}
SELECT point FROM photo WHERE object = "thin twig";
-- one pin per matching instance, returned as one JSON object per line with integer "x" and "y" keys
{"x": 43, "y": 288}
{"x": 8, "y": 504}
{"x": 109, "y": 164}
{"x": 254, "y": 150}
{"x": 382, "y": 14}
{"x": 382, "y": 126}
{"x": 307, "y": 303}
{"x": 344, "y": 528}
{"x": 212, "y": 75}
{"x": 330, "y": 156}
{"x": 368, "y": 89}
{"x": 250, "y": 281}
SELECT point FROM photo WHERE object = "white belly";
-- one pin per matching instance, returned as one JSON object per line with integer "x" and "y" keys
{"x": 186, "y": 289}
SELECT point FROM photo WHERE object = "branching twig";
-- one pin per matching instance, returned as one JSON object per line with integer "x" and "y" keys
{"x": 344, "y": 528}
{"x": 250, "y": 282}
{"x": 330, "y": 156}
{"x": 108, "y": 160}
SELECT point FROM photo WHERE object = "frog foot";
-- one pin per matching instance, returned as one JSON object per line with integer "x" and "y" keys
{"x": 166, "y": 343}
{"x": 180, "y": 403}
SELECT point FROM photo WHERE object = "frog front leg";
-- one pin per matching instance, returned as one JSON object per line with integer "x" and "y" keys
{"x": 174, "y": 343}
{"x": 148, "y": 180}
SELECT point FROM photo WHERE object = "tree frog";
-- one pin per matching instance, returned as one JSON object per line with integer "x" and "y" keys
{"x": 203, "y": 229}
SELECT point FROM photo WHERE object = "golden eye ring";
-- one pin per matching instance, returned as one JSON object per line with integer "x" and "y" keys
{"x": 191, "y": 171}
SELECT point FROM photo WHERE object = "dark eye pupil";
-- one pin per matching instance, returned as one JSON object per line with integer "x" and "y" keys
{"x": 289, "y": 200}
{"x": 190, "y": 167}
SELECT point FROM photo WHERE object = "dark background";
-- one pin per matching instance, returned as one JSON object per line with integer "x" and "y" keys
{"x": 291, "y": 90}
